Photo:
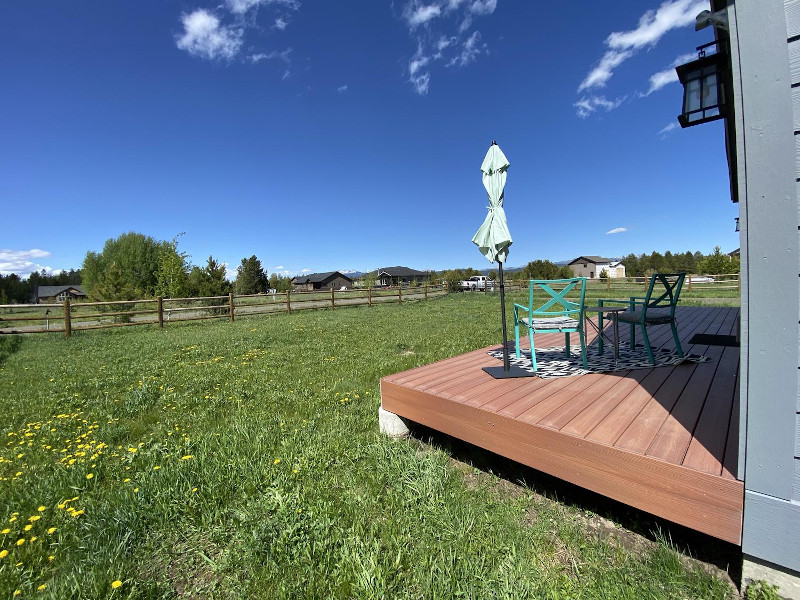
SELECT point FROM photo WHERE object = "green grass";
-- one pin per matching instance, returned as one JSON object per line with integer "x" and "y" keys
{"x": 244, "y": 461}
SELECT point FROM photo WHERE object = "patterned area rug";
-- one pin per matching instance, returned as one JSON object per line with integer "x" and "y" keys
{"x": 553, "y": 363}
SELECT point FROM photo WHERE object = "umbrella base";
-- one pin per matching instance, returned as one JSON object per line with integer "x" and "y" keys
{"x": 512, "y": 373}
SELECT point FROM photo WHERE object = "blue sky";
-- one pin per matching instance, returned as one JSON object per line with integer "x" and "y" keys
{"x": 348, "y": 135}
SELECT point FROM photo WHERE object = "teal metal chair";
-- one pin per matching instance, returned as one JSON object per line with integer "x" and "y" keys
{"x": 657, "y": 307}
{"x": 549, "y": 311}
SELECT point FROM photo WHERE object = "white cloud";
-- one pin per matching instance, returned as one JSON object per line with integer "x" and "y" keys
{"x": 617, "y": 230}
{"x": 469, "y": 51}
{"x": 483, "y": 7}
{"x": 284, "y": 56}
{"x": 588, "y": 104}
{"x": 280, "y": 24}
{"x": 416, "y": 15}
{"x": 278, "y": 268}
{"x": 653, "y": 25}
{"x": 240, "y": 7}
{"x": 445, "y": 37}
{"x": 23, "y": 262}
{"x": 668, "y": 75}
{"x": 665, "y": 130}
{"x": 342, "y": 89}
{"x": 206, "y": 37}
{"x": 305, "y": 270}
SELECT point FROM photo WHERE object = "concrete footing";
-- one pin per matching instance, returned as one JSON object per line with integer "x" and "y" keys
{"x": 392, "y": 425}
{"x": 787, "y": 582}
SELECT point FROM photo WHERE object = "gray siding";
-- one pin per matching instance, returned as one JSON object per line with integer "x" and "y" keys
{"x": 766, "y": 61}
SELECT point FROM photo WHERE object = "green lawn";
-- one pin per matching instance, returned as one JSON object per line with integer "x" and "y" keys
{"x": 243, "y": 460}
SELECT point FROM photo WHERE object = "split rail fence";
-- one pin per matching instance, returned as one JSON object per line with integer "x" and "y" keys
{"x": 67, "y": 317}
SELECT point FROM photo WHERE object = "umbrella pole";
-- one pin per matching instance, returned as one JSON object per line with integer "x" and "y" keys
{"x": 506, "y": 363}
{"x": 506, "y": 371}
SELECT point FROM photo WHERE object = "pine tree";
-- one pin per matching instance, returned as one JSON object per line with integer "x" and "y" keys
{"x": 250, "y": 277}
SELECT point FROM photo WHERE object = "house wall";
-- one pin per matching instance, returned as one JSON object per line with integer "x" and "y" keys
{"x": 591, "y": 270}
{"x": 337, "y": 283}
{"x": 766, "y": 116}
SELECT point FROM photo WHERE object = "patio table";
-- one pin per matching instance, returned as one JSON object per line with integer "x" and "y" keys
{"x": 613, "y": 311}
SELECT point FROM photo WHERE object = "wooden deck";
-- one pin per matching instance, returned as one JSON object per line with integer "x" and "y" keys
{"x": 664, "y": 440}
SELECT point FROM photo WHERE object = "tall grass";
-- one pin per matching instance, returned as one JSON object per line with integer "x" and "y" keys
{"x": 219, "y": 460}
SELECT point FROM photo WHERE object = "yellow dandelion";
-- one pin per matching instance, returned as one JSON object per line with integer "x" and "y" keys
{"x": 51, "y": 531}
{"x": 3, "y": 553}
{"x": 89, "y": 475}
{"x": 6, "y": 531}
{"x": 28, "y": 527}
{"x": 187, "y": 457}
{"x": 135, "y": 490}
{"x": 20, "y": 541}
{"x": 277, "y": 460}
{"x": 116, "y": 584}
{"x": 156, "y": 468}
{"x": 17, "y": 592}
{"x": 41, "y": 587}
{"x": 194, "y": 490}
{"x": 34, "y": 518}
{"x": 51, "y": 557}
{"x": 42, "y": 508}
{"x": 126, "y": 480}
{"x": 34, "y": 538}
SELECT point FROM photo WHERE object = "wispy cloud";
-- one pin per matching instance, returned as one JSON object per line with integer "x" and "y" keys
{"x": 586, "y": 105}
{"x": 622, "y": 45}
{"x": 668, "y": 75}
{"x": 221, "y": 34}
{"x": 665, "y": 130}
{"x": 23, "y": 262}
{"x": 617, "y": 230}
{"x": 441, "y": 30}
{"x": 342, "y": 89}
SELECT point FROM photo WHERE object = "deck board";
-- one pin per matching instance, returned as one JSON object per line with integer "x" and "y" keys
{"x": 664, "y": 439}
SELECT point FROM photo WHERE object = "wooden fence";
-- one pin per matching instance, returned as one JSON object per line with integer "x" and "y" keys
{"x": 67, "y": 316}
{"x": 692, "y": 285}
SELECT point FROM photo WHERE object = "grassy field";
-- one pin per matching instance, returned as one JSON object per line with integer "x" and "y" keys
{"x": 219, "y": 460}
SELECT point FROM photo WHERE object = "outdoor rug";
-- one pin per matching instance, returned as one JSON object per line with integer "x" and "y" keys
{"x": 553, "y": 363}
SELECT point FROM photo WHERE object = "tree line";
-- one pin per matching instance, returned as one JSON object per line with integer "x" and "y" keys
{"x": 134, "y": 266}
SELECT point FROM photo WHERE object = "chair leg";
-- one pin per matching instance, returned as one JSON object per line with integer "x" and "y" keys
{"x": 647, "y": 345}
{"x": 533, "y": 352}
{"x": 633, "y": 336}
{"x": 566, "y": 345}
{"x": 675, "y": 337}
{"x": 583, "y": 351}
{"x": 516, "y": 336}
{"x": 599, "y": 333}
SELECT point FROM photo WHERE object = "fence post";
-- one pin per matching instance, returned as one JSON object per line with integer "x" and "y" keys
{"x": 400, "y": 293}
{"x": 333, "y": 301}
{"x": 230, "y": 306}
{"x": 160, "y": 308}
{"x": 447, "y": 287}
{"x": 369, "y": 296}
{"x": 608, "y": 284}
{"x": 67, "y": 319}
{"x": 739, "y": 282}
{"x": 426, "y": 291}
{"x": 689, "y": 287}
{"x": 288, "y": 302}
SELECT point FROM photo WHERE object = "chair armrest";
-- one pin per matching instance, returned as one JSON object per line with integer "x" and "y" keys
{"x": 616, "y": 300}
{"x": 525, "y": 308}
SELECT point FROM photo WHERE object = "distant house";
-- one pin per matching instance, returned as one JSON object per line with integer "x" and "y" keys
{"x": 321, "y": 281}
{"x": 592, "y": 266}
{"x": 48, "y": 294}
{"x": 400, "y": 276}
{"x": 616, "y": 269}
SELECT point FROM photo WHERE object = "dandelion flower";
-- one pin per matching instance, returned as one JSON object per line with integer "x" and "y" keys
{"x": 5, "y": 531}
{"x": 194, "y": 490}
{"x": 42, "y": 508}
{"x": 89, "y": 475}
{"x": 28, "y": 527}
{"x": 17, "y": 592}
{"x": 51, "y": 557}
{"x": 135, "y": 490}
{"x": 116, "y": 584}
{"x": 33, "y": 538}
{"x": 126, "y": 480}
{"x": 3, "y": 553}
{"x": 277, "y": 460}
{"x": 20, "y": 541}
{"x": 187, "y": 457}
{"x": 41, "y": 587}
{"x": 51, "y": 531}
{"x": 34, "y": 518}
{"x": 156, "y": 468}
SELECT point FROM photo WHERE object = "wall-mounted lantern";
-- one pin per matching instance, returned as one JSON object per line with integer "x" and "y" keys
{"x": 703, "y": 89}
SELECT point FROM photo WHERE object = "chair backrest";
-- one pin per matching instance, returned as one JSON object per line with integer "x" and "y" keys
{"x": 552, "y": 296}
{"x": 664, "y": 290}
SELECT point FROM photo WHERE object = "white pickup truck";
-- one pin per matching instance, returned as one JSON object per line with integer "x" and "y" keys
{"x": 478, "y": 282}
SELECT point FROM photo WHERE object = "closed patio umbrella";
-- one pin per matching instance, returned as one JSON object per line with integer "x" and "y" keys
{"x": 493, "y": 240}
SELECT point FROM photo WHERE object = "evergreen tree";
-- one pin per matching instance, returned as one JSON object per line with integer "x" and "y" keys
{"x": 250, "y": 277}
{"x": 208, "y": 281}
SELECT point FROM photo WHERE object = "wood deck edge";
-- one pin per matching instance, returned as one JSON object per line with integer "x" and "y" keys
{"x": 710, "y": 504}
